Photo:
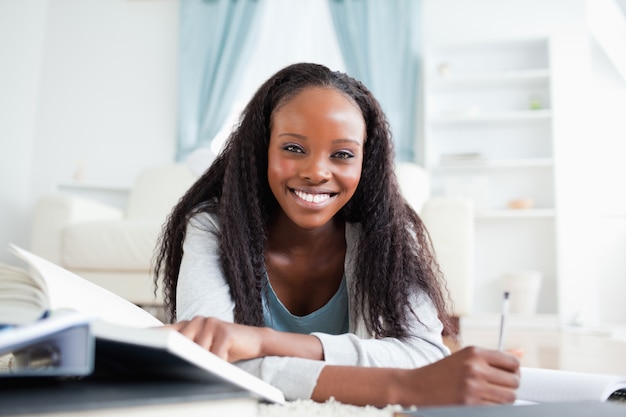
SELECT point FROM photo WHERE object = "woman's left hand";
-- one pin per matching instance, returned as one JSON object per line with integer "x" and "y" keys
{"x": 229, "y": 341}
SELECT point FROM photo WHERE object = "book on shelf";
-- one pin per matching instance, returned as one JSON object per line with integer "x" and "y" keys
{"x": 462, "y": 158}
{"x": 127, "y": 341}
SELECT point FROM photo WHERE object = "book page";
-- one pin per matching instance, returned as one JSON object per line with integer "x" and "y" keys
{"x": 549, "y": 385}
{"x": 23, "y": 299}
{"x": 69, "y": 291}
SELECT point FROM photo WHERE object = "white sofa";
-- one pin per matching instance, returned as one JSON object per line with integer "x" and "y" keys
{"x": 450, "y": 223}
{"x": 114, "y": 248}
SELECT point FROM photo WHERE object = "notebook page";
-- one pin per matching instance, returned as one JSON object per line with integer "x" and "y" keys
{"x": 548, "y": 385}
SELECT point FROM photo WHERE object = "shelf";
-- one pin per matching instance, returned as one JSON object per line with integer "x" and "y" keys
{"x": 514, "y": 55}
{"x": 506, "y": 116}
{"x": 515, "y": 214}
{"x": 524, "y": 77}
{"x": 495, "y": 164}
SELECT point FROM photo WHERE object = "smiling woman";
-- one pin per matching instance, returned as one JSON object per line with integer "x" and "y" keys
{"x": 296, "y": 256}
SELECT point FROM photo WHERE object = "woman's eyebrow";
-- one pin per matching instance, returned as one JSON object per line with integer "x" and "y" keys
{"x": 346, "y": 140}
{"x": 303, "y": 137}
{"x": 296, "y": 135}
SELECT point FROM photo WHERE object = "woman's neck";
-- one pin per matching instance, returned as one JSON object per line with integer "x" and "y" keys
{"x": 305, "y": 267}
{"x": 286, "y": 236}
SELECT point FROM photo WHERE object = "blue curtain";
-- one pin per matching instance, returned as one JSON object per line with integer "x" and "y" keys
{"x": 215, "y": 38}
{"x": 380, "y": 41}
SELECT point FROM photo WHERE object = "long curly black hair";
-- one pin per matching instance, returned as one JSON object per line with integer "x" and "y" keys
{"x": 395, "y": 256}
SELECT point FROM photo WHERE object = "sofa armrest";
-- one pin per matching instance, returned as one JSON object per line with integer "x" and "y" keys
{"x": 53, "y": 213}
{"x": 450, "y": 223}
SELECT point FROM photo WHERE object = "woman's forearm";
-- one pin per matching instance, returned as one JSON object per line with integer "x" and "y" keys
{"x": 234, "y": 342}
{"x": 470, "y": 376}
{"x": 359, "y": 385}
{"x": 276, "y": 343}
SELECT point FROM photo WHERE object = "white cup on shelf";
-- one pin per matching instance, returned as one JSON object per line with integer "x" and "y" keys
{"x": 524, "y": 287}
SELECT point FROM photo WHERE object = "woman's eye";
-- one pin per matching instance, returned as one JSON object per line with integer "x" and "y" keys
{"x": 343, "y": 155}
{"x": 293, "y": 148}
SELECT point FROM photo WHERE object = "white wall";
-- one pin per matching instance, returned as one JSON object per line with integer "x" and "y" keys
{"x": 476, "y": 20}
{"x": 22, "y": 30}
{"x": 82, "y": 80}
{"x": 107, "y": 90}
{"x": 606, "y": 160}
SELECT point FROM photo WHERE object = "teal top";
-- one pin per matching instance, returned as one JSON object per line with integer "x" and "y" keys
{"x": 332, "y": 318}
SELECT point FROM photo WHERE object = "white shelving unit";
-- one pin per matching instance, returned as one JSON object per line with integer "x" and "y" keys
{"x": 489, "y": 137}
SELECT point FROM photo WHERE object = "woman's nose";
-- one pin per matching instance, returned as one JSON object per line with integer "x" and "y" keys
{"x": 315, "y": 170}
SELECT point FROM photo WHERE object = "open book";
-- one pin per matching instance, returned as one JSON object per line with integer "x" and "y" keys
{"x": 129, "y": 340}
{"x": 548, "y": 385}
{"x": 23, "y": 296}
{"x": 59, "y": 289}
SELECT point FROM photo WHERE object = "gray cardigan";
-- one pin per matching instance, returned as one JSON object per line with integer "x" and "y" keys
{"x": 203, "y": 291}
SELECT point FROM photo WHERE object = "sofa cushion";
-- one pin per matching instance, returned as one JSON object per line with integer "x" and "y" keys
{"x": 156, "y": 190}
{"x": 120, "y": 245}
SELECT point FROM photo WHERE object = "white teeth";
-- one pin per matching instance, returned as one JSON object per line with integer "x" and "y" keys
{"x": 312, "y": 198}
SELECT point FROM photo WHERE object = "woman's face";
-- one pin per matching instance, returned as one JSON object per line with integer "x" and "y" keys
{"x": 315, "y": 155}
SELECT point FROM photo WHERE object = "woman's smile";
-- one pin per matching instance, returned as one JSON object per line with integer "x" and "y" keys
{"x": 316, "y": 198}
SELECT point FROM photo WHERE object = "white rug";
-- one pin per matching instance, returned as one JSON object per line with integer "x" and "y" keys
{"x": 331, "y": 408}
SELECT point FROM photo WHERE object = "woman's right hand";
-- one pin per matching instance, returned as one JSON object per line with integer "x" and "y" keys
{"x": 470, "y": 376}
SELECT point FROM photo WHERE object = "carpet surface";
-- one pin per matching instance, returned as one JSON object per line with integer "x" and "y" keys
{"x": 331, "y": 408}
